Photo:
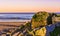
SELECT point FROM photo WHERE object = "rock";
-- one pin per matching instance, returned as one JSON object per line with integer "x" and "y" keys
{"x": 56, "y": 31}
{"x": 41, "y": 32}
{"x": 39, "y": 19}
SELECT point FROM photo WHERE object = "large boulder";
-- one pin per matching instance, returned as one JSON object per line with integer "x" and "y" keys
{"x": 39, "y": 19}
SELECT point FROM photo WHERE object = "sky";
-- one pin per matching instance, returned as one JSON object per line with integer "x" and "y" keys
{"x": 29, "y": 5}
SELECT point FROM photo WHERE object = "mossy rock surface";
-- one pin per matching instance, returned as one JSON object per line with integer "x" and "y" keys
{"x": 39, "y": 19}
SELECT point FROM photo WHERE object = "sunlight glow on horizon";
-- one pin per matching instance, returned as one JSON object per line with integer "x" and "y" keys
{"x": 29, "y": 5}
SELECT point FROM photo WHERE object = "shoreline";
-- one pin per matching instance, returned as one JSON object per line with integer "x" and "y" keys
{"x": 7, "y": 25}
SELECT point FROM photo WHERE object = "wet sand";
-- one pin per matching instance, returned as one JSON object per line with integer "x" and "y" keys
{"x": 6, "y": 25}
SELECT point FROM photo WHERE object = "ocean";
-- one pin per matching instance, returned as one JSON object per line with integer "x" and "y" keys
{"x": 10, "y": 17}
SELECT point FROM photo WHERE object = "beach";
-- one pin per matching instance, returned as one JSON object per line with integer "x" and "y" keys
{"x": 12, "y": 24}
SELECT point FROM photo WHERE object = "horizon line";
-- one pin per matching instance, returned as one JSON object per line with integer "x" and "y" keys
{"x": 23, "y": 12}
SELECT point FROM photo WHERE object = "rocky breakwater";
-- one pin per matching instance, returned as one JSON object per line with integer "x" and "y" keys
{"x": 44, "y": 31}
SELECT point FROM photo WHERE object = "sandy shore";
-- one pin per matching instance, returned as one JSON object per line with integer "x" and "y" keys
{"x": 5, "y": 25}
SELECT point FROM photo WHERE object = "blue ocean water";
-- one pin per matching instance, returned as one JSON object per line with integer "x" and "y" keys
{"x": 20, "y": 16}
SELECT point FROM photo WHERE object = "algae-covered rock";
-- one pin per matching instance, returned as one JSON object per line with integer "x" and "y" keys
{"x": 39, "y": 19}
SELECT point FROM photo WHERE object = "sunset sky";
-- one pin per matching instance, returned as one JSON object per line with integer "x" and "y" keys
{"x": 29, "y": 5}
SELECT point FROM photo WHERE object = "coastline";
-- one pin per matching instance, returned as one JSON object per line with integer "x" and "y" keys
{"x": 11, "y": 24}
